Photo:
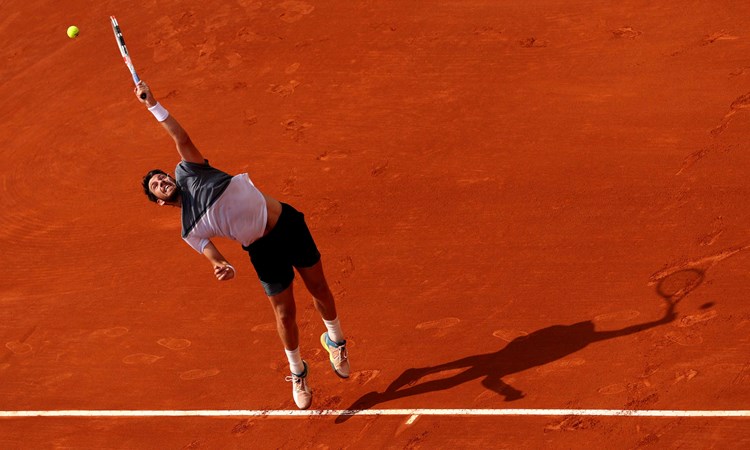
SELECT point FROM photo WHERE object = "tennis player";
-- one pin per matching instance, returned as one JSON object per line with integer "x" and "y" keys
{"x": 214, "y": 203}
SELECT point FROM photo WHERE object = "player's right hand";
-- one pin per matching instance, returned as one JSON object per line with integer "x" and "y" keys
{"x": 142, "y": 88}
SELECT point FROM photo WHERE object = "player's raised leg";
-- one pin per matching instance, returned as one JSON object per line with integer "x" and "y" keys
{"x": 333, "y": 340}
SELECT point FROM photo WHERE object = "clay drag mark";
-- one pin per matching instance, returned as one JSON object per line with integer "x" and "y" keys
{"x": 706, "y": 40}
{"x": 678, "y": 280}
{"x": 18, "y": 347}
{"x": 742, "y": 102}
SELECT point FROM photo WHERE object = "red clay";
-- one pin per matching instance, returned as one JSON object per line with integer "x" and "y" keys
{"x": 475, "y": 173}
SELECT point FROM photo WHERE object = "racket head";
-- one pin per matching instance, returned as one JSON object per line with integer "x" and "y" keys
{"x": 124, "y": 50}
{"x": 118, "y": 37}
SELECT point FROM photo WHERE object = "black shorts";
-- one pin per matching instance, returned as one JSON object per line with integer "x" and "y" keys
{"x": 288, "y": 245}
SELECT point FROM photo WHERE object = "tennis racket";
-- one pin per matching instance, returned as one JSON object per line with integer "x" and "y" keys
{"x": 124, "y": 51}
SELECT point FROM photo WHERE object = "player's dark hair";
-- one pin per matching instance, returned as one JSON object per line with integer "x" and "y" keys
{"x": 147, "y": 178}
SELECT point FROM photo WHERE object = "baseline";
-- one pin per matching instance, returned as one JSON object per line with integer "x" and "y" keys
{"x": 378, "y": 412}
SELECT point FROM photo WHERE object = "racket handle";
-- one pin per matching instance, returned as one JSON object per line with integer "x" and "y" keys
{"x": 137, "y": 80}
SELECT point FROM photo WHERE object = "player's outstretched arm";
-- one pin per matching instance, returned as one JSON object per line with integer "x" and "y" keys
{"x": 185, "y": 147}
{"x": 222, "y": 269}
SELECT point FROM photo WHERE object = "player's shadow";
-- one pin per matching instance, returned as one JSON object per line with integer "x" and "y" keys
{"x": 536, "y": 349}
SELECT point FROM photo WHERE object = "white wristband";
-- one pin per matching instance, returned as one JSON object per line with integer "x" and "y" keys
{"x": 160, "y": 113}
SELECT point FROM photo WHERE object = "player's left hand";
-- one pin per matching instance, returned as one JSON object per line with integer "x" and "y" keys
{"x": 223, "y": 272}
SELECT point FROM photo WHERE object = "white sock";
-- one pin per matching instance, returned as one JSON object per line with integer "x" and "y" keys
{"x": 295, "y": 361}
{"x": 334, "y": 330}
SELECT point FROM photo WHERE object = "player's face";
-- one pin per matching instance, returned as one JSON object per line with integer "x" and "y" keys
{"x": 164, "y": 188}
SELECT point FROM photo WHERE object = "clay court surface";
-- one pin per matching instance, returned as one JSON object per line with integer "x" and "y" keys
{"x": 508, "y": 196}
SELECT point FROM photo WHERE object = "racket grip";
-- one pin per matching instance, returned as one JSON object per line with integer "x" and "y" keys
{"x": 137, "y": 80}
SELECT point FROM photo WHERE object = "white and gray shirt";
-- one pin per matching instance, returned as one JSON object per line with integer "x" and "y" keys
{"x": 216, "y": 204}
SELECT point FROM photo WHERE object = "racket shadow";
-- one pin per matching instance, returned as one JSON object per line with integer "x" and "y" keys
{"x": 540, "y": 347}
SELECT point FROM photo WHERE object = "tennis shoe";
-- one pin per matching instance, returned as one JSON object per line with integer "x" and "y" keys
{"x": 300, "y": 390}
{"x": 337, "y": 354}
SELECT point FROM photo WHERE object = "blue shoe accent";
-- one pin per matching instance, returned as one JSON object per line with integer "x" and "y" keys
{"x": 337, "y": 355}
{"x": 334, "y": 344}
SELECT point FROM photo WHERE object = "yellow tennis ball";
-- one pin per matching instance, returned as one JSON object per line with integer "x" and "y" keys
{"x": 73, "y": 31}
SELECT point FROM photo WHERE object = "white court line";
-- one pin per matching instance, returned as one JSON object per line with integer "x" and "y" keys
{"x": 376, "y": 412}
